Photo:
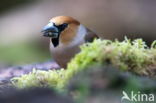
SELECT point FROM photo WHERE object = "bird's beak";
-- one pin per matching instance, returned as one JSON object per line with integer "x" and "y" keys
{"x": 50, "y": 30}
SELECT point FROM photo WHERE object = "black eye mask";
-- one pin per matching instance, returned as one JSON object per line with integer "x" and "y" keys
{"x": 60, "y": 28}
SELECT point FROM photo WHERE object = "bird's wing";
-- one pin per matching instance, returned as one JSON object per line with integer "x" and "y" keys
{"x": 90, "y": 36}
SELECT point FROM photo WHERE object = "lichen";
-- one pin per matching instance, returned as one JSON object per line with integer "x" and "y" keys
{"x": 134, "y": 56}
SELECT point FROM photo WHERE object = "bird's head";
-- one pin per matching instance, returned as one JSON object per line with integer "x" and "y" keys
{"x": 61, "y": 29}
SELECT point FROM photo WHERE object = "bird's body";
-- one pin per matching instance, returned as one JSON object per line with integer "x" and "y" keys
{"x": 66, "y": 35}
{"x": 64, "y": 54}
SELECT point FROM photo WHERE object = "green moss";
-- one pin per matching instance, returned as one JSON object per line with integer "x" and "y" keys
{"x": 129, "y": 55}
{"x": 40, "y": 78}
{"x": 126, "y": 55}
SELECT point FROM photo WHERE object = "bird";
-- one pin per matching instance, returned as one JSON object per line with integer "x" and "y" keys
{"x": 66, "y": 35}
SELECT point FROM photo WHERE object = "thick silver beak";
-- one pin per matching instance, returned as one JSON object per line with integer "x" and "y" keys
{"x": 50, "y": 30}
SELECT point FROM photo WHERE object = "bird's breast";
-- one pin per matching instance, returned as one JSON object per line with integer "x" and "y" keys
{"x": 63, "y": 55}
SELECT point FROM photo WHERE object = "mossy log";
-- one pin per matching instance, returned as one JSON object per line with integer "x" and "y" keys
{"x": 133, "y": 56}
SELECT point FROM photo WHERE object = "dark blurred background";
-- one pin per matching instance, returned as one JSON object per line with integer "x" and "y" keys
{"x": 21, "y": 21}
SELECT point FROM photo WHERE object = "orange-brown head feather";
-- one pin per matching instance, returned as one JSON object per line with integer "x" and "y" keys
{"x": 69, "y": 33}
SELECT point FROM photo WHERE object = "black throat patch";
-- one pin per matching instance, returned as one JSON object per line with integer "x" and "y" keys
{"x": 55, "y": 41}
{"x": 61, "y": 27}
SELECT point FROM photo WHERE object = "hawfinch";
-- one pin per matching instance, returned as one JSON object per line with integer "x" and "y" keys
{"x": 66, "y": 35}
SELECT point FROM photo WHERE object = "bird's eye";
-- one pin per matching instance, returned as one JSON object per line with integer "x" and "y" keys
{"x": 62, "y": 26}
